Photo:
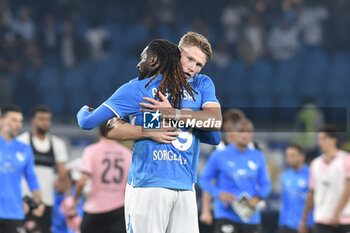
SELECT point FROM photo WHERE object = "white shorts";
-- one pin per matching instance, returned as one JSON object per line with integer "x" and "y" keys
{"x": 160, "y": 210}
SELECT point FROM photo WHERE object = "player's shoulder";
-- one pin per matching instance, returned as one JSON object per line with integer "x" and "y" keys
{"x": 24, "y": 137}
{"x": 221, "y": 151}
{"x": 135, "y": 82}
{"x": 122, "y": 147}
{"x": 57, "y": 140}
{"x": 91, "y": 150}
{"x": 285, "y": 174}
{"x": 255, "y": 152}
{"x": 343, "y": 153}
{"x": 21, "y": 146}
{"x": 201, "y": 79}
{"x": 305, "y": 167}
{"x": 92, "y": 147}
{"x": 316, "y": 161}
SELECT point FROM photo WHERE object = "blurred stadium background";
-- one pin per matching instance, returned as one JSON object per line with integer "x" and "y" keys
{"x": 268, "y": 54}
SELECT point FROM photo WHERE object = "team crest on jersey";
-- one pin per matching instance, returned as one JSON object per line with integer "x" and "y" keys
{"x": 20, "y": 156}
{"x": 252, "y": 165}
{"x": 231, "y": 164}
{"x": 302, "y": 183}
{"x": 151, "y": 120}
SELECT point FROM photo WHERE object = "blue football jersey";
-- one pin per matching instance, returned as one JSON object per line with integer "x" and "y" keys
{"x": 171, "y": 165}
{"x": 293, "y": 197}
{"x": 16, "y": 160}
{"x": 239, "y": 173}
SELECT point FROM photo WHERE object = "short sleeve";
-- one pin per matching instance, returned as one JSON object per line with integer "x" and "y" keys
{"x": 29, "y": 171}
{"x": 125, "y": 101}
{"x": 87, "y": 161}
{"x": 347, "y": 165}
{"x": 208, "y": 91}
{"x": 311, "y": 178}
{"x": 60, "y": 150}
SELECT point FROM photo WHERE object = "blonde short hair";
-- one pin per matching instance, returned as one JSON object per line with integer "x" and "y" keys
{"x": 196, "y": 39}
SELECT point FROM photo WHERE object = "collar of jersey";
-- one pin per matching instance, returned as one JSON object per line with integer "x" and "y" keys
{"x": 303, "y": 169}
{"x": 3, "y": 140}
{"x": 234, "y": 148}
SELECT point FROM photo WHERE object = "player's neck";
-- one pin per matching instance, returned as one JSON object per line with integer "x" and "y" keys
{"x": 298, "y": 167}
{"x": 330, "y": 154}
{"x": 6, "y": 136}
{"x": 38, "y": 135}
{"x": 241, "y": 147}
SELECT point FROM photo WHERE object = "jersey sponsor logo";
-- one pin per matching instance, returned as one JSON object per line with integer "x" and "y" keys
{"x": 187, "y": 96}
{"x": 302, "y": 183}
{"x": 20, "y": 156}
{"x": 7, "y": 167}
{"x": 252, "y": 165}
{"x": 241, "y": 172}
{"x": 168, "y": 156}
{"x": 231, "y": 164}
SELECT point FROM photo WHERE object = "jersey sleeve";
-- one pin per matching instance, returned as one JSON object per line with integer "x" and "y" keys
{"x": 125, "y": 101}
{"x": 29, "y": 172}
{"x": 311, "y": 175}
{"x": 283, "y": 202}
{"x": 208, "y": 91}
{"x": 212, "y": 137}
{"x": 24, "y": 137}
{"x": 60, "y": 150}
{"x": 347, "y": 165}
{"x": 89, "y": 120}
{"x": 264, "y": 181}
{"x": 209, "y": 173}
{"x": 86, "y": 161}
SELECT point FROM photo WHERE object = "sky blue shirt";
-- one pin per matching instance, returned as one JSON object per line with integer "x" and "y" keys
{"x": 171, "y": 165}
{"x": 238, "y": 173}
{"x": 16, "y": 159}
{"x": 293, "y": 197}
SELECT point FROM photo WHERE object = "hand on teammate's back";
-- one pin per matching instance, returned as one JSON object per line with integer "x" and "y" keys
{"x": 165, "y": 135}
{"x": 163, "y": 105}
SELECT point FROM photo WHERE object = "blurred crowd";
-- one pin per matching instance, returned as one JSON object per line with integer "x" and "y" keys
{"x": 248, "y": 30}
{"x": 66, "y": 35}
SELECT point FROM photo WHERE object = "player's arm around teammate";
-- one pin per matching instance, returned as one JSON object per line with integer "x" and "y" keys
{"x": 195, "y": 52}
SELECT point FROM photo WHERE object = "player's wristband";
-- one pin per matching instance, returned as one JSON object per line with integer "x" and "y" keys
{"x": 177, "y": 114}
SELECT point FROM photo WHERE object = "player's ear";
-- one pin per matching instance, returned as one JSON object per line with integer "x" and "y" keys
{"x": 154, "y": 61}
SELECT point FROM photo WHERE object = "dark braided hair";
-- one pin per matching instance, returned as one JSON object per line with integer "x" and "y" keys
{"x": 174, "y": 80}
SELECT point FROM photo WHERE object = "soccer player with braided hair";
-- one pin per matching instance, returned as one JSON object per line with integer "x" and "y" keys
{"x": 160, "y": 196}
{"x": 174, "y": 79}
